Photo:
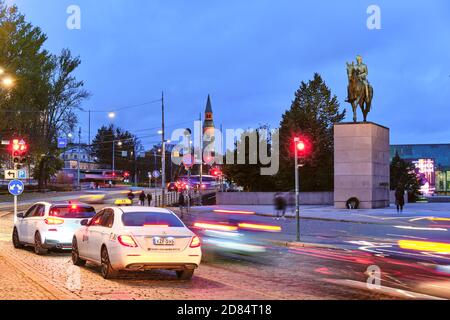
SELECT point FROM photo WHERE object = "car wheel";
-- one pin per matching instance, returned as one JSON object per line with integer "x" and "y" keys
{"x": 38, "y": 248}
{"x": 185, "y": 274}
{"x": 107, "y": 271}
{"x": 75, "y": 254}
{"x": 15, "y": 239}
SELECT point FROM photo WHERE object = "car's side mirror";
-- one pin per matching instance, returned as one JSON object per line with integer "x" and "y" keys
{"x": 84, "y": 222}
{"x": 20, "y": 215}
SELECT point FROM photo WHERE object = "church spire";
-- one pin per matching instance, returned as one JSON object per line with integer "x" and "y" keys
{"x": 209, "y": 118}
{"x": 208, "y": 105}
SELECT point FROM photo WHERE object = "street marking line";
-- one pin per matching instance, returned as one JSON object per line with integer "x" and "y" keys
{"x": 404, "y": 236}
{"x": 383, "y": 289}
{"x": 419, "y": 228}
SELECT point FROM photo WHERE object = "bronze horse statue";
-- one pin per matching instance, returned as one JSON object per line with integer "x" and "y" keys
{"x": 358, "y": 95}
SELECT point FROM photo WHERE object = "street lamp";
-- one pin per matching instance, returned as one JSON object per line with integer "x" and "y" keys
{"x": 111, "y": 115}
{"x": 8, "y": 82}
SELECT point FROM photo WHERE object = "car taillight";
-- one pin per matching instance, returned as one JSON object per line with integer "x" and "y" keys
{"x": 195, "y": 242}
{"x": 127, "y": 241}
{"x": 53, "y": 221}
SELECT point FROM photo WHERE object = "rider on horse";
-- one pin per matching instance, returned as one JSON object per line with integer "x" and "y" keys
{"x": 362, "y": 72}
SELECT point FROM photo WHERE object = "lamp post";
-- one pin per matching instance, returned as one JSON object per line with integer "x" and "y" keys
{"x": 163, "y": 151}
{"x": 79, "y": 158}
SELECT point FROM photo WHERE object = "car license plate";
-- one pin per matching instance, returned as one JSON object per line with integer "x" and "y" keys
{"x": 163, "y": 241}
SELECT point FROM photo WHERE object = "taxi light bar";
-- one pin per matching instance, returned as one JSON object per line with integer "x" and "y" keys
{"x": 127, "y": 241}
{"x": 195, "y": 242}
{"x": 53, "y": 221}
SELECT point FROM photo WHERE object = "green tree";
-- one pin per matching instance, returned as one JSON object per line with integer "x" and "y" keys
{"x": 403, "y": 174}
{"x": 124, "y": 151}
{"x": 64, "y": 97}
{"x": 313, "y": 114}
{"x": 42, "y": 102}
{"x": 249, "y": 175}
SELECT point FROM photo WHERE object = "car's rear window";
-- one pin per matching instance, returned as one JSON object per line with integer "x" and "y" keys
{"x": 143, "y": 219}
{"x": 72, "y": 212}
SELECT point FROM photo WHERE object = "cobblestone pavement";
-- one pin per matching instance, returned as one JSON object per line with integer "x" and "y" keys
{"x": 282, "y": 275}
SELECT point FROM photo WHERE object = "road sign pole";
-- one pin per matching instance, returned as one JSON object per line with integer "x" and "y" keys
{"x": 15, "y": 209}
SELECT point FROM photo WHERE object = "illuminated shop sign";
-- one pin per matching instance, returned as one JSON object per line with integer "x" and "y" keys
{"x": 426, "y": 172}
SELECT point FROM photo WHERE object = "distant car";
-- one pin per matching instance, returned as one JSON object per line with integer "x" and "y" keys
{"x": 48, "y": 225}
{"x": 225, "y": 238}
{"x": 93, "y": 198}
{"x": 172, "y": 186}
{"x": 137, "y": 238}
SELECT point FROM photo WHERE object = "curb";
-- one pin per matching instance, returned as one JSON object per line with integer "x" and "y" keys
{"x": 323, "y": 219}
{"x": 293, "y": 244}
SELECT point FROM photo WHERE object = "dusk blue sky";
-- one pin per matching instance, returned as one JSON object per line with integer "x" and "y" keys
{"x": 251, "y": 57}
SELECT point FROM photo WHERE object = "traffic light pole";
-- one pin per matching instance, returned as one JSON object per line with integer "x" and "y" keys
{"x": 201, "y": 163}
{"x": 297, "y": 191}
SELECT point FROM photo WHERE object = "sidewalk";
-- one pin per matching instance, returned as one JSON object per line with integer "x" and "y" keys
{"x": 372, "y": 216}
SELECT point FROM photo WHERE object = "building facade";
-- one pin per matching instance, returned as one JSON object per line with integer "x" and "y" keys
{"x": 72, "y": 156}
{"x": 432, "y": 161}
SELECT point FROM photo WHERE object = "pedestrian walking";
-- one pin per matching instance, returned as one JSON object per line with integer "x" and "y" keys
{"x": 149, "y": 199}
{"x": 181, "y": 203}
{"x": 280, "y": 205}
{"x": 142, "y": 198}
{"x": 131, "y": 196}
{"x": 400, "y": 198}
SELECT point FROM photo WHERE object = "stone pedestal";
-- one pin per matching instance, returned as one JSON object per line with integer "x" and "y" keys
{"x": 361, "y": 164}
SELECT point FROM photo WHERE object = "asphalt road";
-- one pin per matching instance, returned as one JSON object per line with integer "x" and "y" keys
{"x": 337, "y": 269}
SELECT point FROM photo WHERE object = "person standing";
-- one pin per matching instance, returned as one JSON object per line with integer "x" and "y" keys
{"x": 149, "y": 199}
{"x": 142, "y": 197}
{"x": 400, "y": 198}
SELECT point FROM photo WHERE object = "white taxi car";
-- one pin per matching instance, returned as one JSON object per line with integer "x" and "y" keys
{"x": 137, "y": 238}
{"x": 49, "y": 225}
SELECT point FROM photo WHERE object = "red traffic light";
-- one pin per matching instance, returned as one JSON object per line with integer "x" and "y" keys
{"x": 303, "y": 146}
{"x": 18, "y": 148}
{"x": 126, "y": 174}
{"x": 216, "y": 172}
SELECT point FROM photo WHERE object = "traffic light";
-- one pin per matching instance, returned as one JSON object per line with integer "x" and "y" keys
{"x": 18, "y": 151}
{"x": 303, "y": 147}
{"x": 216, "y": 172}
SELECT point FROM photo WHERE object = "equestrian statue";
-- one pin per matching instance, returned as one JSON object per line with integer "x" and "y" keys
{"x": 360, "y": 92}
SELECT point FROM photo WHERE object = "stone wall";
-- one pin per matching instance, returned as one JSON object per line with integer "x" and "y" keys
{"x": 267, "y": 198}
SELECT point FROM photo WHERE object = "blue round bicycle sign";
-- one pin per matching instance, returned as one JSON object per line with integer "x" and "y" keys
{"x": 16, "y": 187}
